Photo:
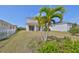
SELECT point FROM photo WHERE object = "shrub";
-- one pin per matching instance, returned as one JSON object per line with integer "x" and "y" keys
{"x": 65, "y": 46}
{"x": 74, "y": 30}
{"x": 48, "y": 46}
{"x": 20, "y": 28}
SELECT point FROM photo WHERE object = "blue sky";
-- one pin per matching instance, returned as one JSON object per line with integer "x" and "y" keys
{"x": 18, "y": 14}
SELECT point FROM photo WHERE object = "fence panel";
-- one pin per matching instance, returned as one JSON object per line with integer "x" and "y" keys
{"x": 4, "y": 35}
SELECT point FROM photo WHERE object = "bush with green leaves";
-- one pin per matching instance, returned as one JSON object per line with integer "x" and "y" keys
{"x": 74, "y": 30}
{"x": 66, "y": 45}
{"x": 49, "y": 46}
{"x": 19, "y": 29}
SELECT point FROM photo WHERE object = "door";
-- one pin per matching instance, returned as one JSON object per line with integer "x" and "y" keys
{"x": 31, "y": 28}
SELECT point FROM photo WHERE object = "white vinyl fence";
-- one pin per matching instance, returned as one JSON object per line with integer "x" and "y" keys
{"x": 5, "y": 34}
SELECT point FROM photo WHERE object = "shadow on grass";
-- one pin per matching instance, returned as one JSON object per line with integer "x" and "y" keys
{"x": 54, "y": 38}
{"x": 2, "y": 45}
{"x": 4, "y": 39}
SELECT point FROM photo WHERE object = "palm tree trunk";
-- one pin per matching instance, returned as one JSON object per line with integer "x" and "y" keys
{"x": 41, "y": 31}
{"x": 44, "y": 34}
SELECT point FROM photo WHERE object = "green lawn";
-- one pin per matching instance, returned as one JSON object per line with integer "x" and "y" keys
{"x": 24, "y": 41}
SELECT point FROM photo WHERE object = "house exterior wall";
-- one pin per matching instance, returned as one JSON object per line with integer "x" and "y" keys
{"x": 6, "y": 29}
{"x": 57, "y": 27}
{"x": 60, "y": 27}
{"x": 27, "y": 27}
{"x": 35, "y": 28}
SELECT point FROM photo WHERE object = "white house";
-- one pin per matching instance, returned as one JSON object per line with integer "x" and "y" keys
{"x": 6, "y": 29}
{"x": 32, "y": 25}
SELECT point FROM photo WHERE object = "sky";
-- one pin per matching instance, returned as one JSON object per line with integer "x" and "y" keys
{"x": 17, "y": 14}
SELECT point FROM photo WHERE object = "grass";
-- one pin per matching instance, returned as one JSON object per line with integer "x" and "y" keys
{"x": 19, "y": 42}
{"x": 24, "y": 41}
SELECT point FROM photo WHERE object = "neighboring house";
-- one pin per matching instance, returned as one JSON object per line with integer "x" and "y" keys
{"x": 32, "y": 25}
{"x": 6, "y": 29}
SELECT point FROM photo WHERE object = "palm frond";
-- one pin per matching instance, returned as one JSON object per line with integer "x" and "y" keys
{"x": 44, "y": 10}
{"x": 58, "y": 15}
{"x": 60, "y": 9}
{"x": 53, "y": 21}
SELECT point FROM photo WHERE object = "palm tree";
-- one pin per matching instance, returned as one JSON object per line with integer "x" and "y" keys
{"x": 39, "y": 19}
{"x": 50, "y": 14}
{"x": 41, "y": 23}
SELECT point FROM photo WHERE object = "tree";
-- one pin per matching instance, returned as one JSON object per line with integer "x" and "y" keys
{"x": 40, "y": 20}
{"x": 45, "y": 21}
{"x": 51, "y": 13}
{"x": 41, "y": 24}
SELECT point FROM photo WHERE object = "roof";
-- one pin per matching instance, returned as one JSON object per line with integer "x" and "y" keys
{"x": 32, "y": 22}
{"x": 5, "y": 22}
